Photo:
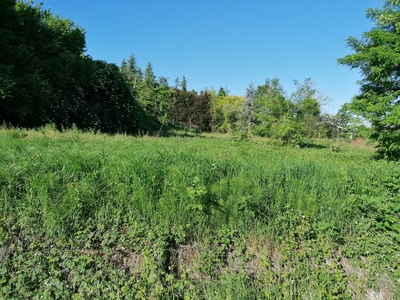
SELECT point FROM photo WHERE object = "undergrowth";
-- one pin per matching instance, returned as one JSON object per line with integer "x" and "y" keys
{"x": 91, "y": 216}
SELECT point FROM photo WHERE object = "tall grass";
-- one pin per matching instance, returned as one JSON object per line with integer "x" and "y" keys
{"x": 60, "y": 183}
{"x": 182, "y": 191}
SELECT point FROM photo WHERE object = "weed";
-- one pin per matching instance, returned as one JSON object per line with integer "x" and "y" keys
{"x": 86, "y": 215}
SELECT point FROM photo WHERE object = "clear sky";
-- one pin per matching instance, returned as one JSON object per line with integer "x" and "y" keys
{"x": 227, "y": 43}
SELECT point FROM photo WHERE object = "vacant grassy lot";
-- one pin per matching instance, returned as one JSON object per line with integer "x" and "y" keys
{"x": 91, "y": 216}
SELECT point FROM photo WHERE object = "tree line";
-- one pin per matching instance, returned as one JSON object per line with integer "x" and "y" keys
{"x": 266, "y": 110}
{"x": 46, "y": 77}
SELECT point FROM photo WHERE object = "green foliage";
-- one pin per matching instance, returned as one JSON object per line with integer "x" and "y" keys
{"x": 226, "y": 112}
{"x": 246, "y": 116}
{"x": 147, "y": 91}
{"x": 271, "y": 107}
{"x": 377, "y": 56}
{"x": 42, "y": 53}
{"x": 271, "y": 114}
{"x": 286, "y": 130}
{"x": 154, "y": 99}
{"x": 192, "y": 110}
{"x": 183, "y": 84}
{"x": 110, "y": 105}
{"x": 46, "y": 78}
{"x": 87, "y": 215}
{"x": 350, "y": 125}
{"x": 306, "y": 106}
{"x": 132, "y": 72}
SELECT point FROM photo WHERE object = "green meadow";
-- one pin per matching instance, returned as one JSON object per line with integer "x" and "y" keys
{"x": 94, "y": 216}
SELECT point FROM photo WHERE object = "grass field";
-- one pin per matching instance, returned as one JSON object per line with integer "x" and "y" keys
{"x": 93, "y": 216}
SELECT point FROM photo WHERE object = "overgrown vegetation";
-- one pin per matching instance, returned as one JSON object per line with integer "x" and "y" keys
{"x": 87, "y": 215}
{"x": 377, "y": 57}
{"x": 282, "y": 208}
{"x": 46, "y": 78}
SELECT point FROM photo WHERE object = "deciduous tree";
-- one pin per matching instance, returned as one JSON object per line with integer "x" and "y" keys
{"x": 247, "y": 114}
{"x": 377, "y": 56}
{"x": 271, "y": 105}
{"x": 45, "y": 77}
{"x": 306, "y": 107}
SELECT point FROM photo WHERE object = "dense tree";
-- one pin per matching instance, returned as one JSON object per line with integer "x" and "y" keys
{"x": 192, "y": 110}
{"x": 225, "y": 110}
{"x": 132, "y": 72}
{"x": 306, "y": 107}
{"x": 147, "y": 92}
{"x": 271, "y": 105}
{"x": 177, "y": 83}
{"x": 184, "y": 83}
{"x": 155, "y": 96}
{"x": 286, "y": 130}
{"x": 228, "y": 109}
{"x": 110, "y": 105}
{"x": 165, "y": 100}
{"x": 268, "y": 112}
{"x": 246, "y": 116}
{"x": 377, "y": 56}
{"x": 328, "y": 126}
{"x": 222, "y": 92}
{"x": 215, "y": 113}
{"x": 7, "y": 48}
{"x": 201, "y": 113}
{"x": 349, "y": 124}
{"x": 46, "y": 78}
{"x": 42, "y": 53}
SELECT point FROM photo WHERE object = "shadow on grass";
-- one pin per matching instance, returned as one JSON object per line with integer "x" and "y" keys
{"x": 180, "y": 131}
{"x": 183, "y": 135}
{"x": 312, "y": 145}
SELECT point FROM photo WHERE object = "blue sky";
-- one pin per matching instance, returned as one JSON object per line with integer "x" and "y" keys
{"x": 227, "y": 43}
